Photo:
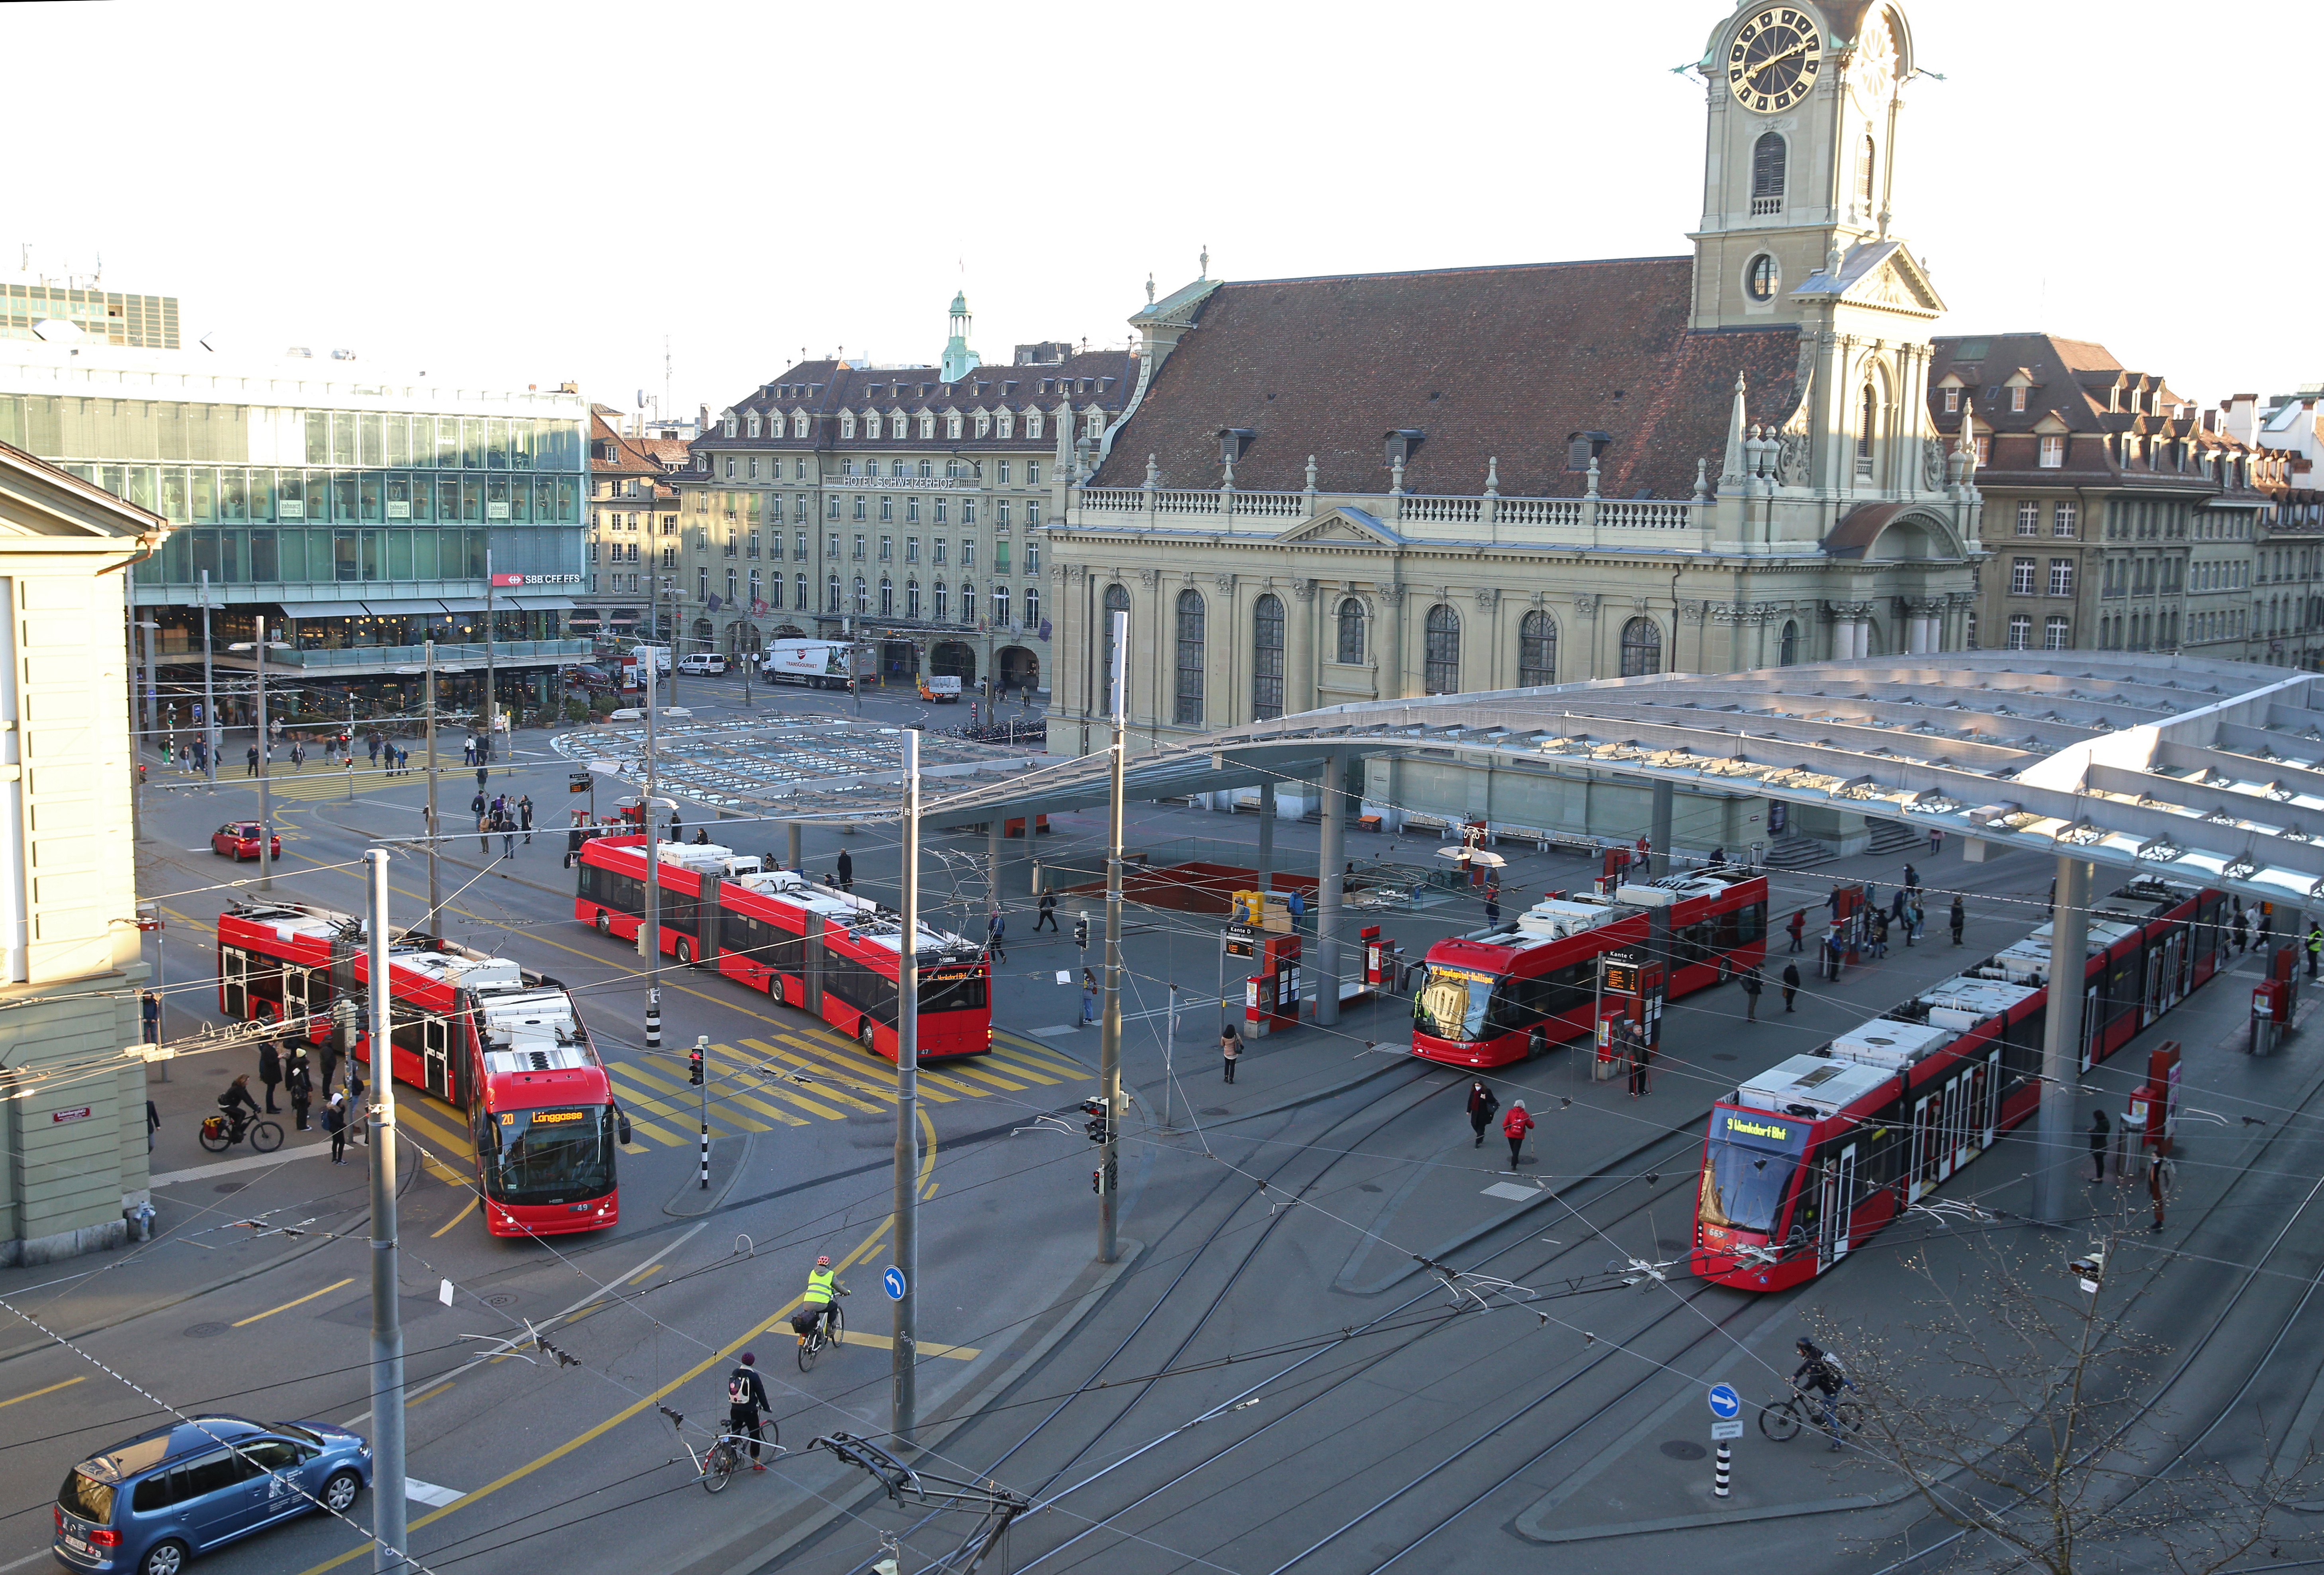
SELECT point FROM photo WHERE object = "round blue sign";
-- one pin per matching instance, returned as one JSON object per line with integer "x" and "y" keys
{"x": 894, "y": 1281}
{"x": 1725, "y": 1403}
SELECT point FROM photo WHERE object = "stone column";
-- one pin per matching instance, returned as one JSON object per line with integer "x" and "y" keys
{"x": 1329, "y": 871}
{"x": 1387, "y": 642}
{"x": 2052, "y": 1158}
{"x": 1658, "y": 832}
{"x": 1265, "y": 832}
{"x": 1299, "y": 648}
{"x": 1586, "y": 643}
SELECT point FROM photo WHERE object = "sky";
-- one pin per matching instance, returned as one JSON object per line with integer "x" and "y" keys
{"x": 534, "y": 193}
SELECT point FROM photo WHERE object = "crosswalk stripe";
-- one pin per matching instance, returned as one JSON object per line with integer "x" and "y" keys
{"x": 729, "y": 1069}
{"x": 838, "y": 1091}
{"x": 1038, "y": 1053}
{"x": 408, "y": 1115}
{"x": 855, "y": 1062}
{"x": 692, "y": 1106}
{"x": 981, "y": 1071}
{"x": 673, "y": 1113}
{"x": 1018, "y": 1069}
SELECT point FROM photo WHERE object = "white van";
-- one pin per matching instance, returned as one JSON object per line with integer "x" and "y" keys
{"x": 657, "y": 655}
{"x": 710, "y": 662}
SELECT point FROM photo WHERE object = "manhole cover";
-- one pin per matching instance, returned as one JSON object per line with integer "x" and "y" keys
{"x": 500, "y": 1299}
{"x": 1721, "y": 1055}
{"x": 205, "y": 1330}
{"x": 1684, "y": 1449}
{"x": 1367, "y": 1186}
{"x": 229, "y": 1186}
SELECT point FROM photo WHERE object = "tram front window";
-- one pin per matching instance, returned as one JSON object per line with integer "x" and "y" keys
{"x": 1745, "y": 1167}
{"x": 1452, "y": 1004}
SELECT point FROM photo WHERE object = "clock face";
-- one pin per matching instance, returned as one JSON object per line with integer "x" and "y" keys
{"x": 1774, "y": 60}
{"x": 1873, "y": 72}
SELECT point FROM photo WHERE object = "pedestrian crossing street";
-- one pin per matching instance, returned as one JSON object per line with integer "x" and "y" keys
{"x": 789, "y": 1078}
{"x": 318, "y": 782}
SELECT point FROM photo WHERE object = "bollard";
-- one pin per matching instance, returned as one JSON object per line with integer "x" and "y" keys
{"x": 1719, "y": 1488}
{"x": 653, "y": 1019}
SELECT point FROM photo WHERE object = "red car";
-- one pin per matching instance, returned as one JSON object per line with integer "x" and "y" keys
{"x": 238, "y": 840}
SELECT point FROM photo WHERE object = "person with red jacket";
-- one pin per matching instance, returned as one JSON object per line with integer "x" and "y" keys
{"x": 1514, "y": 1127}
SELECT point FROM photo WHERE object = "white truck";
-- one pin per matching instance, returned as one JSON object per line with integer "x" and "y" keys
{"x": 816, "y": 664}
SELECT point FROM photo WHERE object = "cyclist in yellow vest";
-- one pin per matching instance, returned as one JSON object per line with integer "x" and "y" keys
{"x": 815, "y": 1302}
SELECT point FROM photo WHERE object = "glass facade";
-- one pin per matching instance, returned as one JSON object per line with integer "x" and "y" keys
{"x": 291, "y": 496}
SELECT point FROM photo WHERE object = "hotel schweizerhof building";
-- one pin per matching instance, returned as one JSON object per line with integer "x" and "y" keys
{"x": 1354, "y": 486}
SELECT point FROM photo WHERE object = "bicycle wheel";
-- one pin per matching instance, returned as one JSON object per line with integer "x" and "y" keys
{"x": 718, "y": 1467}
{"x": 266, "y": 1136}
{"x": 1851, "y": 1416}
{"x": 213, "y": 1136}
{"x": 1780, "y": 1423}
{"x": 836, "y": 1331}
{"x": 810, "y": 1346}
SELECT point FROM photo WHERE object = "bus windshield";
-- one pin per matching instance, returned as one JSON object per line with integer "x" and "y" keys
{"x": 952, "y": 992}
{"x": 1451, "y": 1005}
{"x": 549, "y": 1156}
{"x": 1745, "y": 1167}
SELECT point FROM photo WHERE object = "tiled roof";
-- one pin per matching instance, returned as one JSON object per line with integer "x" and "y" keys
{"x": 1491, "y": 363}
{"x": 1103, "y": 378}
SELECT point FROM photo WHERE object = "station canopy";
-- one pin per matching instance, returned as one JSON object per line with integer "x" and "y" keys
{"x": 2202, "y": 771}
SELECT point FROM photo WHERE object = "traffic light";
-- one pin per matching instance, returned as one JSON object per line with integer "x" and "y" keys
{"x": 1080, "y": 931}
{"x": 1101, "y": 1120}
{"x": 1105, "y": 1179}
{"x": 694, "y": 1066}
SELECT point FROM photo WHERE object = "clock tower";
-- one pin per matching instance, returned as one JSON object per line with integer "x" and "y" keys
{"x": 1803, "y": 117}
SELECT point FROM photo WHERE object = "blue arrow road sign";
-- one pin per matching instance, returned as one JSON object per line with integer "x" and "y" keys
{"x": 894, "y": 1281}
{"x": 1725, "y": 1403}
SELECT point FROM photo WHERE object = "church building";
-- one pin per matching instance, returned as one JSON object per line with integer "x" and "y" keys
{"x": 1358, "y": 486}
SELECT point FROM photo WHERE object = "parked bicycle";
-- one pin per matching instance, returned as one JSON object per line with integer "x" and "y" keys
{"x": 1782, "y": 1420}
{"x": 715, "y": 1465}
{"x": 827, "y": 1333}
{"x": 218, "y": 1134}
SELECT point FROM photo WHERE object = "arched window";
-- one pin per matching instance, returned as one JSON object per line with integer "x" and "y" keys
{"x": 1351, "y": 632}
{"x": 1537, "y": 650}
{"x": 999, "y": 606}
{"x": 968, "y": 601}
{"x": 1787, "y": 651}
{"x": 754, "y": 588}
{"x": 1768, "y": 174}
{"x": 1267, "y": 659}
{"x": 942, "y": 603}
{"x": 911, "y": 598}
{"x": 1440, "y": 658}
{"x": 831, "y": 594}
{"x": 799, "y": 600}
{"x": 1867, "y": 426}
{"x": 1642, "y": 647}
{"x": 887, "y": 598}
{"x": 1191, "y": 618}
{"x": 862, "y": 596}
{"x": 1864, "y": 173}
{"x": 1116, "y": 601}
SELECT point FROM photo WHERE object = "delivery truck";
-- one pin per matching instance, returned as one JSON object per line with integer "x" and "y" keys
{"x": 816, "y": 664}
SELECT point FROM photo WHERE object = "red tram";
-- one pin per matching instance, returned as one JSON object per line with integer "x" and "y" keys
{"x": 1486, "y": 992}
{"x": 1806, "y": 1161}
{"x": 814, "y": 947}
{"x": 505, "y": 1044}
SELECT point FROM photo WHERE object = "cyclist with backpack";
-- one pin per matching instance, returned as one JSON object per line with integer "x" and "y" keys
{"x": 233, "y": 1103}
{"x": 1820, "y": 1374}
{"x": 746, "y": 1400}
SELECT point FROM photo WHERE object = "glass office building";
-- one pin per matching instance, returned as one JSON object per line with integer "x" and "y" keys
{"x": 361, "y": 517}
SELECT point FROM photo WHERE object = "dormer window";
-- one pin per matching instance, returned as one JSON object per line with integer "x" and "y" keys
{"x": 1005, "y": 424}
{"x": 983, "y": 424}
{"x": 727, "y": 426}
{"x": 951, "y": 424}
{"x": 927, "y": 425}
{"x": 2053, "y": 453}
{"x": 1032, "y": 423}
{"x": 1401, "y": 444}
{"x": 1582, "y": 448}
{"x": 1234, "y": 442}
{"x": 2017, "y": 397}
{"x": 847, "y": 423}
{"x": 1953, "y": 401}
{"x": 752, "y": 423}
{"x": 1096, "y": 424}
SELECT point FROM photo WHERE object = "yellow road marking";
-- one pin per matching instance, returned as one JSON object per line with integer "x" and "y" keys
{"x": 779, "y": 1320}
{"x": 927, "y": 1347}
{"x": 853, "y": 1061}
{"x": 642, "y": 1274}
{"x": 52, "y": 1389}
{"x": 429, "y": 1394}
{"x": 465, "y": 1210}
{"x": 659, "y": 1108}
{"x": 983, "y": 1073}
{"x": 731, "y": 1063}
{"x": 1018, "y": 1069}
{"x": 678, "y": 1090}
{"x": 287, "y": 1306}
{"x": 826, "y": 1086}
{"x": 407, "y": 1115}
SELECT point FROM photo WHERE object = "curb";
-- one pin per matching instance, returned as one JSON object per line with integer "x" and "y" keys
{"x": 844, "y": 1504}
{"x": 692, "y": 1200}
{"x": 1679, "y": 1522}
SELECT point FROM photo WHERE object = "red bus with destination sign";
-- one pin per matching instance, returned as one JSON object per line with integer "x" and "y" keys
{"x": 501, "y": 1044}
{"x": 823, "y": 950}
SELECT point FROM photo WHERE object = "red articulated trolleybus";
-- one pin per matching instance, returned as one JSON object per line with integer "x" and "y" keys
{"x": 505, "y": 1044}
{"x": 814, "y": 947}
{"x": 1806, "y": 1160}
{"x": 1486, "y": 992}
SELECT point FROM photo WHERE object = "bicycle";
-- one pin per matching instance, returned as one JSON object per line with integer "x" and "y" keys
{"x": 218, "y": 1134}
{"x": 827, "y": 1333}
{"x": 1781, "y": 1421}
{"x": 715, "y": 1465}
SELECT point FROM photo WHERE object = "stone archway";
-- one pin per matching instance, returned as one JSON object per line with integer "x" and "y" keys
{"x": 954, "y": 659}
{"x": 1020, "y": 668}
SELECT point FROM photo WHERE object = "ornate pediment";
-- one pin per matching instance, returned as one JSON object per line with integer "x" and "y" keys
{"x": 1881, "y": 275}
{"x": 1341, "y": 527}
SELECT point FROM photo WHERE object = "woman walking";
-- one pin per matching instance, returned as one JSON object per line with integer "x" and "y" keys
{"x": 335, "y": 1121}
{"x": 1230, "y": 1048}
{"x": 1482, "y": 1103}
{"x": 1514, "y": 1127}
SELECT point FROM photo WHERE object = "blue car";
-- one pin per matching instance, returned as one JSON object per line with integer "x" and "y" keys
{"x": 152, "y": 1504}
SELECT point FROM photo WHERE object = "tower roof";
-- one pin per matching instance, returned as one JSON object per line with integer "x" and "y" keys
{"x": 960, "y": 302}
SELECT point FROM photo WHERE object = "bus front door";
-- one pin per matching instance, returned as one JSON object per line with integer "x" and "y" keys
{"x": 436, "y": 1057}
{"x": 811, "y": 964}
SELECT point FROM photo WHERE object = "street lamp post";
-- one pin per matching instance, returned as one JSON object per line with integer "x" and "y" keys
{"x": 650, "y": 933}
{"x": 491, "y": 690}
{"x": 435, "y": 831}
{"x": 258, "y": 648}
{"x": 211, "y": 732}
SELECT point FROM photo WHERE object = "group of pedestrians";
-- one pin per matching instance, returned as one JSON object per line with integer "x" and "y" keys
{"x": 505, "y": 819}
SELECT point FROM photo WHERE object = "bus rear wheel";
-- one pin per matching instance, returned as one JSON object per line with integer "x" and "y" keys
{"x": 864, "y": 1037}
{"x": 684, "y": 953}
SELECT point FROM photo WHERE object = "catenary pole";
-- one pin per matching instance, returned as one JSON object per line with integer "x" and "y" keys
{"x": 387, "y": 1508}
{"x": 905, "y": 1358}
{"x": 265, "y": 799}
{"x": 491, "y": 690}
{"x": 1109, "y": 1057}
{"x": 211, "y": 732}
{"x": 2061, "y": 1041}
{"x": 652, "y": 932}
{"x": 434, "y": 826}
